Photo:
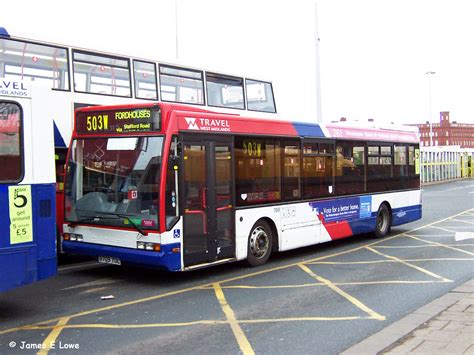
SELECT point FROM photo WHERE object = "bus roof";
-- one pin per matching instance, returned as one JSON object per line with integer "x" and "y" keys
{"x": 207, "y": 121}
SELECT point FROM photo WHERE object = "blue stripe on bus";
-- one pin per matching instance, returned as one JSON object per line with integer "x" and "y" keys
{"x": 58, "y": 138}
{"x": 25, "y": 263}
{"x": 366, "y": 225}
{"x": 406, "y": 214}
{"x": 399, "y": 216}
{"x": 166, "y": 259}
{"x": 308, "y": 129}
{"x": 4, "y": 32}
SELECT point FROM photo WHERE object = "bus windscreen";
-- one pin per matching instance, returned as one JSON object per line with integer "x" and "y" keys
{"x": 119, "y": 121}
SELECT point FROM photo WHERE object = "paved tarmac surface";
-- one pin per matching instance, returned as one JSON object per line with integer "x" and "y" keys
{"x": 444, "y": 326}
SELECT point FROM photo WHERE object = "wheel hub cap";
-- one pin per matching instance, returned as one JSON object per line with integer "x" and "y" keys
{"x": 259, "y": 242}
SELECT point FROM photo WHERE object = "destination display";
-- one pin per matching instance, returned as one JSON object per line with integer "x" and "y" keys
{"x": 253, "y": 148}
{"x": 119, "y": 121}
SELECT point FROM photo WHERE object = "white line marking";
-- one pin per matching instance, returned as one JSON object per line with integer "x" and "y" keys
{"x": 463, "y": 236}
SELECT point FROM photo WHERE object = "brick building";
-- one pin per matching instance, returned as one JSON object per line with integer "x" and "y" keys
{"x": 447, "y": 133}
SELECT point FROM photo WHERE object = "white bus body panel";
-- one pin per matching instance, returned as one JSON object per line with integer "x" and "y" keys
{"x": 298, "y": 225}
{"x": 36, "y": 101}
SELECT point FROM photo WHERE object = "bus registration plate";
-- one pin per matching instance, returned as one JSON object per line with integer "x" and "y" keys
{"x": 109, "y": 260}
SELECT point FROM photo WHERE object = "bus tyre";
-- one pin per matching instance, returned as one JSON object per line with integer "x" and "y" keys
{"x": 382, "y": 222}
{"x": 260, "y": 244}
{"x": 59, "y": 249}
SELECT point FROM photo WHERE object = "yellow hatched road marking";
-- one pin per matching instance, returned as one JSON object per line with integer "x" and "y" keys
{"x": 236, "y": 329}
{"x": 130, "y": 326}
{"x": 431, "y": 245}
{"x": 388, "y": 282}
{"x": 51, "y": 338}
{"x": 102, "y": 309}
{"x": 386, "y": 261}
{"x": 246, "y": 287}
{"x": 353, "y": 300}
{"x": 355, "y": 283}
{"x": 460, "y": 220}
{"x": 440, "y": 245}
{"x": 184, "y": 324}
{"x": 194, "y": 288}
{"x": 241, "y": 277}
{"x": 443, "y": 229}
{"x": 432, "y": 274}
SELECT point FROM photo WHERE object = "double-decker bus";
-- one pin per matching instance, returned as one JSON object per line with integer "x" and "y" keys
{"x": 179, "y": 187}
{"x": 81, "y": 77}
{"x": 27, "y": 185}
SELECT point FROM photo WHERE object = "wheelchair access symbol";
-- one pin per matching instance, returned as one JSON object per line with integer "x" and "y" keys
{"x": 177, "y": 233}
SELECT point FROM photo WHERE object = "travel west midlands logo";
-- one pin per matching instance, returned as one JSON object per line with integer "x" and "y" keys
{"x": 208, "y": 124}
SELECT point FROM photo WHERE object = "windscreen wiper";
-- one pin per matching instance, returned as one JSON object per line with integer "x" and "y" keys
{"x": 140, "y": 230}
{"x": 98, "y": 218}
{"x": 86, "y": 219}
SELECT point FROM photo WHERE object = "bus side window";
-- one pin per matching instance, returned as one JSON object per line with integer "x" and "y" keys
{"x": 413, "y": 160}
{"x": 291, "y": 171}
{"x": 258, "y": 170}
{"x": 317, "y": 175}
{"x": 11, "y": 155}
{"x": 379, "y": 169}
{"x": 350, "y": 168}
{"x": 36, "y": 62}
{"x": 400, "y": 163}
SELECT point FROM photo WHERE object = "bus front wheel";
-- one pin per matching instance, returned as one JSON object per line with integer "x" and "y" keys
{"x": 383, "y": 221}
{"x": 260, "y": 244}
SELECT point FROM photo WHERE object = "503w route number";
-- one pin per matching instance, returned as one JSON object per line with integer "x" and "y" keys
{"x": 99, "y": 122}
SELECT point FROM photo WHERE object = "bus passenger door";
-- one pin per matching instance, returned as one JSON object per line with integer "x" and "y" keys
{"x": 208, "y": 210}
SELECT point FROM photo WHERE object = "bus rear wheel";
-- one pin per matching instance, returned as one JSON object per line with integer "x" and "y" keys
{"x": 260, "y": 244}
{"x": 383, "y": 221}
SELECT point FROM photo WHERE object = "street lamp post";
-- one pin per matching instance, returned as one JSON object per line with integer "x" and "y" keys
{"x": 430, "y": 73}
{"x": 176, "y": 27}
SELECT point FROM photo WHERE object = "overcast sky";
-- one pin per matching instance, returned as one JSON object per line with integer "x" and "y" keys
{"x": 373, "y": 53}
